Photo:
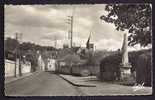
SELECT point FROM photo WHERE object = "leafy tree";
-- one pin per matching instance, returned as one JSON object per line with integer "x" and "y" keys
{"x": 27, "y": 46}
{"x": 135, "y": 18}
{"x": 10, "y": 47}
{"x": 11, "y": 44}
{"x": 31, "y": 57}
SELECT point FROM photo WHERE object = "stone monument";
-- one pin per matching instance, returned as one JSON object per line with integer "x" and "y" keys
{"x": 125, "y": 66}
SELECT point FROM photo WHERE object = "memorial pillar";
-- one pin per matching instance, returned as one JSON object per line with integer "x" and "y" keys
{"x": 125, "y": 66}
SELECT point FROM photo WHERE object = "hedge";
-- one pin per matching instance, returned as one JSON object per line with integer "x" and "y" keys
{"x": 109, "y": 67}
{"x": 110, "y": 64}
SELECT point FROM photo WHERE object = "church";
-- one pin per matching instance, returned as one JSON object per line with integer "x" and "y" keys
{"x": 89, "y": 46}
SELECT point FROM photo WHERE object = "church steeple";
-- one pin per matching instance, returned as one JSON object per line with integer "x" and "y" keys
{"x": 88, "y": 42}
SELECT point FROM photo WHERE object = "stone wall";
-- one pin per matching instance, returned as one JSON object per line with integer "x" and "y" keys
{"x": 10, "y": 68}
{"x": 77, "y": 69}
{"x": 26, "y": 68}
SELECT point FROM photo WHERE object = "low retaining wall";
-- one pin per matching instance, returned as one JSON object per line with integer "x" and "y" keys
{"x": 94, "y": 70}
{"x": 10, "y": 68}
{"x": 26, "y": 68}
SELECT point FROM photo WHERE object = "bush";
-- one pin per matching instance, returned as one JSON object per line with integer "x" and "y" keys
{"x": 134, "y": 56}
{"x": 143, "y": 69}
{"x": 110, "y": 64}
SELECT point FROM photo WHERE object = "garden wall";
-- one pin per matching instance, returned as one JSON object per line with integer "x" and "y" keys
{"x": 10, "y": 68}
{"x": 77, "y": 69}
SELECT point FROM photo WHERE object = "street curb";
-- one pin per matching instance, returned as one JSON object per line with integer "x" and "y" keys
{"x": 79, "y": 85}
{"x": 20, "y": 78}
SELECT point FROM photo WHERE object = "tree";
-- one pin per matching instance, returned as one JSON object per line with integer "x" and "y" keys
{"x": 10, "y": 44}
{"x": 31, "y": 57}
{"x": 27, "y": 46}
{"x": 135, "y": 18}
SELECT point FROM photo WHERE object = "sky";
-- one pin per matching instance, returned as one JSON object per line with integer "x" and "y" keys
{"x": 39, "y": 24}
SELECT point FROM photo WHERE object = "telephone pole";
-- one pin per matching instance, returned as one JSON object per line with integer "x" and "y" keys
{"x": 20, "y": 55}
{"x": 70, "y": 21}
{"x": 16, "y": 50}
{"x": 71, "y": 30}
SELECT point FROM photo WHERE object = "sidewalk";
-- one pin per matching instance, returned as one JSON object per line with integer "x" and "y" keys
{"x": 79, "y": 81}
{"x": 92, "y": 86}
{"x": 12, "y": 79}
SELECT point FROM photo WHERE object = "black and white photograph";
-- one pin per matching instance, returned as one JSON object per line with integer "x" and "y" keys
{"x": 78, "y": 50}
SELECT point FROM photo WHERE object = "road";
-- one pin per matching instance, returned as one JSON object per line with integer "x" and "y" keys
{"x": 50, "y": 84}
{"x": 42, "y": 84}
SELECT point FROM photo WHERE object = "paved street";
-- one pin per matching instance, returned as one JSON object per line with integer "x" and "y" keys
{"x": 92, "y": 86}
{"x": 42, "y": 84}
{"x": 50, "y": 84}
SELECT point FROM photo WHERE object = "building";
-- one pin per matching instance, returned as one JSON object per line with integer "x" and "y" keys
{"x": 40, "y": 63}
{"x": 89, "y": 46}
{"x": 51, "y": 64}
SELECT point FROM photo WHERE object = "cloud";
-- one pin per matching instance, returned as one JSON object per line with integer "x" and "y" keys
{"x": 41, "y": 23}
{"x": 86, "y": 23}
{"x": 29, "y": 16}
{"x": 80, "y": 41}
{"x": 109, "y": 44}
{"x": 52, "y": 36}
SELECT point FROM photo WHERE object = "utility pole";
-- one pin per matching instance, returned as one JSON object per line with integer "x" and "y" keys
{"x": 16, "y": 50}
{"x": 70, "y": 22}
{"x": 20, "y": 55}
{"x": 71, "y": 30}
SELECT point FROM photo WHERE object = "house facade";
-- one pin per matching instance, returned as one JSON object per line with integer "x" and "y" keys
{"x": 51, "y": 64}
{"x": 41, "y": 63}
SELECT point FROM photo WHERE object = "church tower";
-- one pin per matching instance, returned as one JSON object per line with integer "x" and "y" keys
{"x": 89, "y": 46}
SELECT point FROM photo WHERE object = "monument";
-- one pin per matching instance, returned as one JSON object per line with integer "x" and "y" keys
{"x": 125, "y": 66}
